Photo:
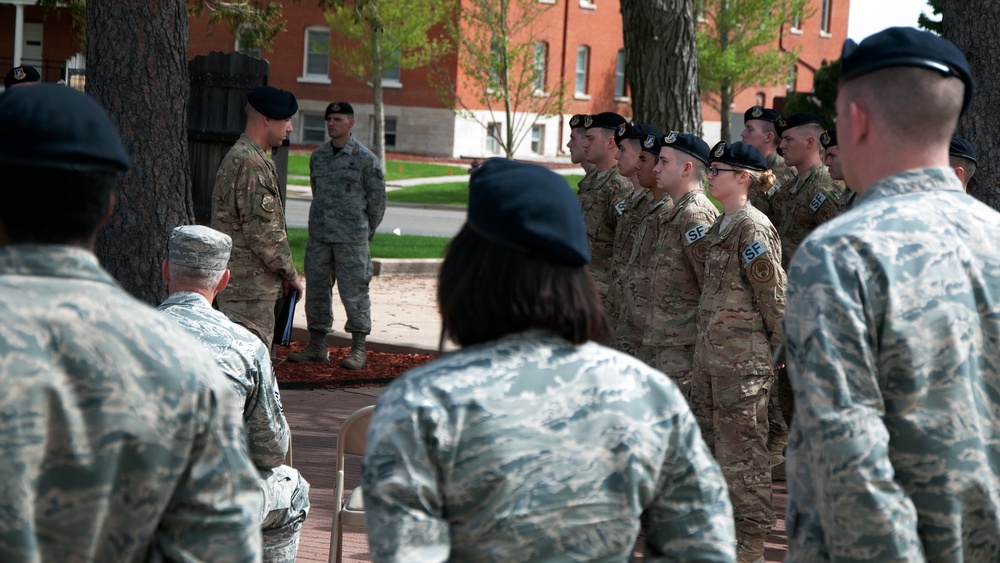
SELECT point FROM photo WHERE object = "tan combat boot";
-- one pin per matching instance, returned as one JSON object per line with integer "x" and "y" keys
{"x": 750, "y": 548}
{"x": 315, "y": 351}
{"x": 356, "y": 359}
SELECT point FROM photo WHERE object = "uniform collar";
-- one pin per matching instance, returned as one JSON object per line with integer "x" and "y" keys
{"x": 913, "y": 181}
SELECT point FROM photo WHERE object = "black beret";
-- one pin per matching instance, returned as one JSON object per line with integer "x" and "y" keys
{"x": 687, "y": 143}
{"x": 624, "y": 131}
{"x": 577, "y": 121}
{"x": 53, "y": 126}
{"x": 761, "y": 113}
{"x": 272, "y": 102}
{"x": 961, "y": 148}
{"x": 782, "y": 124}
{"x": 605, "y": 120}
{"x": 739, "y": 154}
{"x": 527, "y": 208}
{"x": 828, "y": 138}
{"x": 338, "y": 107}
{"x": 906, "y": 46}
{"x": 21, "y": 75}
{"x": 650, "y": 137}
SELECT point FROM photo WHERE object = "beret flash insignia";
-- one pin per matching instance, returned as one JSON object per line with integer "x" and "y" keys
{"x": 649, "y": 141}
{"x": 825, "y": 138}
{"x": 335, "y": 106}
{"x": 720, "y": 149}
{"x": 574, "y": 121}
{"x": 621, "y": 129}
{"x": 671, "y": 137}
{"x": 780, "y": 122}
{"x": 757, "y": 111}
{"x": 19, "y": 73}
{"x": 588, "y": 121}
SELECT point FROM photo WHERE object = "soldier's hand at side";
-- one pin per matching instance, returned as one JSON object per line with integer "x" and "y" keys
{"x": 288, "y": 285}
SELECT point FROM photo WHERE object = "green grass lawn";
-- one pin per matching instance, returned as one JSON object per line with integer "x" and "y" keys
{"x": 451, "y": 193}
{"x": 384, "y": 246}
{"x": 298, "y": 165}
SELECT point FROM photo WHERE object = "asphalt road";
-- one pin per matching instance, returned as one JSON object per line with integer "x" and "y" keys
{"x": 409, "y": 220}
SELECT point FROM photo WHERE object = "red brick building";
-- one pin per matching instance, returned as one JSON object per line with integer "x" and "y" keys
{"x": 578, "y": 41}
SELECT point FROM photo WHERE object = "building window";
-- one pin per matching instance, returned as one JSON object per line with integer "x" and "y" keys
{"x": 759, "y": 99}
{"x": 541, "y": 58}
{"x": 313, "y": 129}
{"x": 620, "y": 75}
{"x": 390, "y": 69}
{"x": 824, "y": 24}
{"x": 493, "y": 138}
{"x": 317, "y": 53}
{"x": 537, "y": 134}
{"x": 588, "y": 4}
{"x": 582, "y": 61}
{"x": 496, "y": 65}
{"x": 245, "y": 38}
{"x": 793, "y": 75}
{"x": 797, "y": 22}
{"x": 388, "y": 132}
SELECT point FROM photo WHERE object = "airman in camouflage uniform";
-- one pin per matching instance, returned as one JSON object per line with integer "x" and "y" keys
{"x": 892, "y": 329}
{"x": 739, "y": 327}
{"x": 119, "y": 437}
{"x": 598, "y": 199}
{"x": 832, "y": 161}
{"x": 575, "y": 145}
{"x": 962, "y": 157}
{"x": 348, "y": 188}
{"x": 246, "y": 205}
{"x": 680, "y": 251}
{"x": 536, "y": 444}
{"x": 759, "y": 131}
{"x": 638, "y": 252}
{"x": 194, "y": 270}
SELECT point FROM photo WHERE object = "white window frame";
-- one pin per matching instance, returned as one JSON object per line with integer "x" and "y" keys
{"x": 238, "y": 47}
{"x": 303, "y": 129}
{"x": 796, "y": 24}
{"x": 824, "y": 22}
{"x": 588, "y": 4}
{"x": 492, "y": 144}
{"x": 584, "y": 93}
{"x": 392, "y": 82}
{"x": 538, "y": 139}
{"x": 620, "y": 63}
{"x": 541, "y": 67}
{"x": 314, "y": 78}
{"x": 385, "y": 131}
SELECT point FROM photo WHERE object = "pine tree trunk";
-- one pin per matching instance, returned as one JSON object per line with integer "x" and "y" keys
{"x": 968, "y": 25}
{"x": 661, "y": 48}
{"x": 137, "y": 69}
{"x": 378, "y": 146}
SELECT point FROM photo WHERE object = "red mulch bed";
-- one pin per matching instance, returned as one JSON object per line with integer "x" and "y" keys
{"x": 381, "y": 369}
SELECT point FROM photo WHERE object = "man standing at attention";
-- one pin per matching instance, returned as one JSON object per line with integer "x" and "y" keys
{"x": 195, "y": 271}
{"x": 575, "y": 145}
{"x": 891, "y": 327}
{"x": 246, "y": 205}
{"x": 348, "y": 188}
{"x": 759, "y": 132}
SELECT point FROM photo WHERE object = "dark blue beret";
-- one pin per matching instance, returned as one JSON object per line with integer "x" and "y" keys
{"x": 272, "y": 102}
{"x": 906, "y": 46}
{"x": 782, "y": 124}
{"x": 605, "y": 120}
{"x": 687, "y": 143}
{"x": 739, "y": 154}
{"x": 761, "y": 113}
{"x": 527, "y": 208}
{"x": 828, "y": 138}
{"x": 21, "y": 75}
{"x": 961, "y": 148}
{"x": 338, "y": 107}
{"x": 53, "y": 126}
{"x": 577, "y": 121}
{"x": 624, "y": 131}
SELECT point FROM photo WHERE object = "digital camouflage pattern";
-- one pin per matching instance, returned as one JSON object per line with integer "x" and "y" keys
{"x": 531, "y": 448}
{"x": 765, "y": 201}
{"x": 598, "y": 201}
{"x": 739, "y": 326}
{"x": 811, "y": 200}
{"x": 348, "y": 205}
{"x": 633, "y": 209}
{"x": 117, "y": 430}
{"x": 247, "y": 364}
{"x": 675, "y": 282}
{"x": 847, "y": 200}
{"x": 637, "y": 271}
{"x": 892, "y": 329}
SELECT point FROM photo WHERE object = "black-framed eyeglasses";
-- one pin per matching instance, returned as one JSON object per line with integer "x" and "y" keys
{"x": 714, "y": 170}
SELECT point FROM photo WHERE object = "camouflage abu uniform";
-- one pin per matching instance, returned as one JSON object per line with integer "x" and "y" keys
{"x": 117, "y": 430}
{"x": 530, "y": 448}
{"x": 246, "y": 205}
{"x": 811, "y": 200}
{"x": 636, "y": 274}
{"x": 766, "y": 202}
{"x": 247, "y": 363}
{"x": 348, "y": 204}
{"x": 892, "y": 330}
{"x": 739, "y": 326}
{"x": 676, "y": 283}
{"x": 598, "y": 202}
{"x": 630, "y": 212}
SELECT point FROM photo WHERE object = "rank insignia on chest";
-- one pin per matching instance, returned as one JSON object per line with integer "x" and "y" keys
{"x": 816, "y": 202}
{"x": 695, "y": 234}
{"x": 751, "y": 252}
{"x": 267, "y": 203}
{"x": 620, "y": 207}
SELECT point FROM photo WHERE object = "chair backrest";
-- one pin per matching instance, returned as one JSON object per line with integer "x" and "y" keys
{"x": 353, "y": 434}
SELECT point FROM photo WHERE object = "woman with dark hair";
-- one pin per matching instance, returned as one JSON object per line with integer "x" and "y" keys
{"x": 739, "y": 327}
{"x": 534, "y": 442}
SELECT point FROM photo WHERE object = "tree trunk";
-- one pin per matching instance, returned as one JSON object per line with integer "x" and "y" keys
{"x": 137, "y": 69}
{"x": 378, "y": 145}
{"x": 661, "y": 49}
{"x": 725, "y": 102}
{"x": 965, "y": 24}
{"x": 508, "y": 144}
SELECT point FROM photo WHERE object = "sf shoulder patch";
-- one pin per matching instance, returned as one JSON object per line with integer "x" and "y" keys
{"x": 759, "y": 271}
{"x": 817, "y": 202}
{"x": 620, "y": 207}
{"x": 695, "y": 234}
{"x": 267, "y": 203}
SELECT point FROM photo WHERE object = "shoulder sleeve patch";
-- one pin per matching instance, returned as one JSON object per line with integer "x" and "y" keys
{"x": 620, "y": 207}
{"x": 761, "y": 271}
{"x": 754, "y": 250}
{"x": 267, "y": 203}
{"x": 817, "y": 202}
{"x": 695, "y": 234}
